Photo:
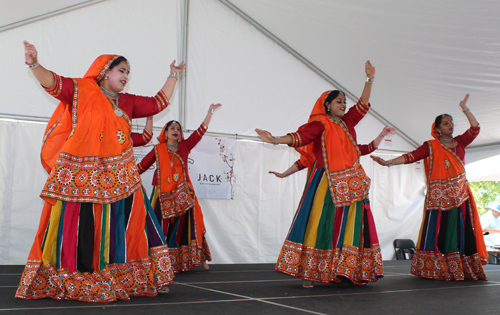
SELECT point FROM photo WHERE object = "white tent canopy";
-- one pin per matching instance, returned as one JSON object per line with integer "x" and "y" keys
{"x": 266, "y": 62}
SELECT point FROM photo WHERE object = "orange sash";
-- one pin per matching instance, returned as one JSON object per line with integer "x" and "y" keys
{"x": 87, "y": 149}
{"x": 447, "y": 186}
{"x": 175, "y": 190}
{"x": 347, "y": 179}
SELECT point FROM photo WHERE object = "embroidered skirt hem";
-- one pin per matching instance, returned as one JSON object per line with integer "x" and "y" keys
{"x": 359, "y": 266}
{"x": 449, "y": 267}
{"x": 118, "y": 281}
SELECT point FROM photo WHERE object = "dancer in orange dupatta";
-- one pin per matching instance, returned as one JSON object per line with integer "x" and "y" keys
{"x": 98, "y": 239}
{"x": 451, "y": 244}
{"x": 173, "y": 198}
{"x": 333, "y": 235}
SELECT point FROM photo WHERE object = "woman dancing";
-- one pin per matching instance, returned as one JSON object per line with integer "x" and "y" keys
{"x": 450, "y": 245}
{"x": 173, "y": 198}
{"x": 333, "y": 236}
{"x": 98, "y": 239}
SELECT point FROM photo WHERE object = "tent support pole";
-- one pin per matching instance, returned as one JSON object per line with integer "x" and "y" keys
{"x": 184, "y": 48}
{"x": 311, "y": 66}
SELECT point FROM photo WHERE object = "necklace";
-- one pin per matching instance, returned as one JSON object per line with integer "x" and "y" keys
{"x": 335, "y": 118}
{"x": 108, "y": 93}
{"x": 114, "y": 98}
{"x": 172, "y": 159}
{"x": 446, "y": 140}
{"x": 172, "y": 145}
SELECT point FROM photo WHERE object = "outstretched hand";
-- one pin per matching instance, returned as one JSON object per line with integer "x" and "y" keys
{"x": 30, "y": 53}
{"x": 265, "y": 136}
{"x": 214, "y": 107}
{"x": 379, "y": 160}
{"x": 388, "y": 131}
{"x": 463, "y": 103}
{"x": 280, "y": 175}
{"x": 178, "y": 68}
{"x": 369, "y": 70}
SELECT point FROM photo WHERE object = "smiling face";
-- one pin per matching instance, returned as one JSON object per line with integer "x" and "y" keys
{"x": 338, "y": 106}
{"x": 173, "y": 133}
{"x": 446, "y": 127}
{"x": 118, "y": 77}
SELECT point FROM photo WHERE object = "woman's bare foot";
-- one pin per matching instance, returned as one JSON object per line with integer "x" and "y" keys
{"x": 204, "y": 264}
{"x": 308, "y": 284}
{"x": 164, "y": 290}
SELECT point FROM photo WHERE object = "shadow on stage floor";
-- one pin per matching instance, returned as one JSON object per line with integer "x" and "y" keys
{"x": 258, "y": 289}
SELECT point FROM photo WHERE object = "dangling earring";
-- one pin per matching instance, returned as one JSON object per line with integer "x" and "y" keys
{"x": 107, "y": 76}
{"x": 328, "y": 108}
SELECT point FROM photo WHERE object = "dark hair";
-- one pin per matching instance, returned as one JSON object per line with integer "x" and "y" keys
{"x": 439, "y": 120}
{"x": 333, "y": 95}
{"x": 172, "y": 122}
{"x": 117, "y": 61}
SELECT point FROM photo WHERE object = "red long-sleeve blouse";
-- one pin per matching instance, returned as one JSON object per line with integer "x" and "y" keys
{"x": 135, "y": 106}
{"x": 463, "y": 141}
{"x": 183, "y": 149}
{"x": 312, "y": 132}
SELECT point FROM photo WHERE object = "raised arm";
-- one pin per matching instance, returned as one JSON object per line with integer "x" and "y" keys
{"x": 372, "y": 146}
{"x": 140, "y": 139}
{"x": 370, "y": 76}
{"x": 44, "y": 76}
{"x": 175, "y": 71}
{"x": 211, "y": 110}
{"x": 472, "y": 120}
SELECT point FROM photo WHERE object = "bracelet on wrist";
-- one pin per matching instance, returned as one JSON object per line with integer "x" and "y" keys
{"x": 370, "y": 80}
{"x": 382, "y": 136}
{"x": 33, "y": 66}
{"x": 285, "y": 173}
{"x": 391, "y": 163}
{"x": 174, "y": 74}
{"x": 466, "y": 110}
{"x": 211, "y": 110}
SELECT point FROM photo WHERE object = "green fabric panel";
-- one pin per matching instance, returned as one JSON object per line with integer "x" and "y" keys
{"x": 451, "y": 244}
{"x": 357, "y": 225}
{"x": 325, "y": 226}
{"x": 102, "y": 258}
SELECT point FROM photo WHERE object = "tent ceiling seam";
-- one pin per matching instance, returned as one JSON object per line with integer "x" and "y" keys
{"x": 313, "y": 67}
{"x": 49, "y": 15}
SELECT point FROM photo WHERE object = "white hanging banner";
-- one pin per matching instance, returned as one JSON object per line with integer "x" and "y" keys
{"x": 211, "y": 167}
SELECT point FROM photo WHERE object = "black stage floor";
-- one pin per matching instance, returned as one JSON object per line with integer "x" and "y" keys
{"x": 258, "y": 289}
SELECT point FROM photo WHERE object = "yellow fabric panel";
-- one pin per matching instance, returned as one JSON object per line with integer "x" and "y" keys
{"x": 315, "y": 215}
{"x": 49, "y": 255}
{"x": 349, "y": 225}
{"x": 421, "y": 228}
{"x": 154, "y": 199}
{"x": 107, "y": 223}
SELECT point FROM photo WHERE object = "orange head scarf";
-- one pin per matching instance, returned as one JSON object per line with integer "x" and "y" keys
{"x": 99, "y": 67}
{"x": 307, "y": 157}
{"x": 163, "y": 135}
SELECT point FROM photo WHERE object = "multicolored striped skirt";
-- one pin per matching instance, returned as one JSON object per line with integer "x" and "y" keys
{"x": 184, "y": 234}
{"x": 327, "y": 243}
{"x": 446, "y": 248}
{"x": 97, "y": 252}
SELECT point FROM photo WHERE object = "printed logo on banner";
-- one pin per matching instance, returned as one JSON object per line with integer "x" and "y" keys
{"x": 211, "y": 167}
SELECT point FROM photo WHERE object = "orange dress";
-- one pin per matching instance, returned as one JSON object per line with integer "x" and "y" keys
{"x": 98, "y": 239}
